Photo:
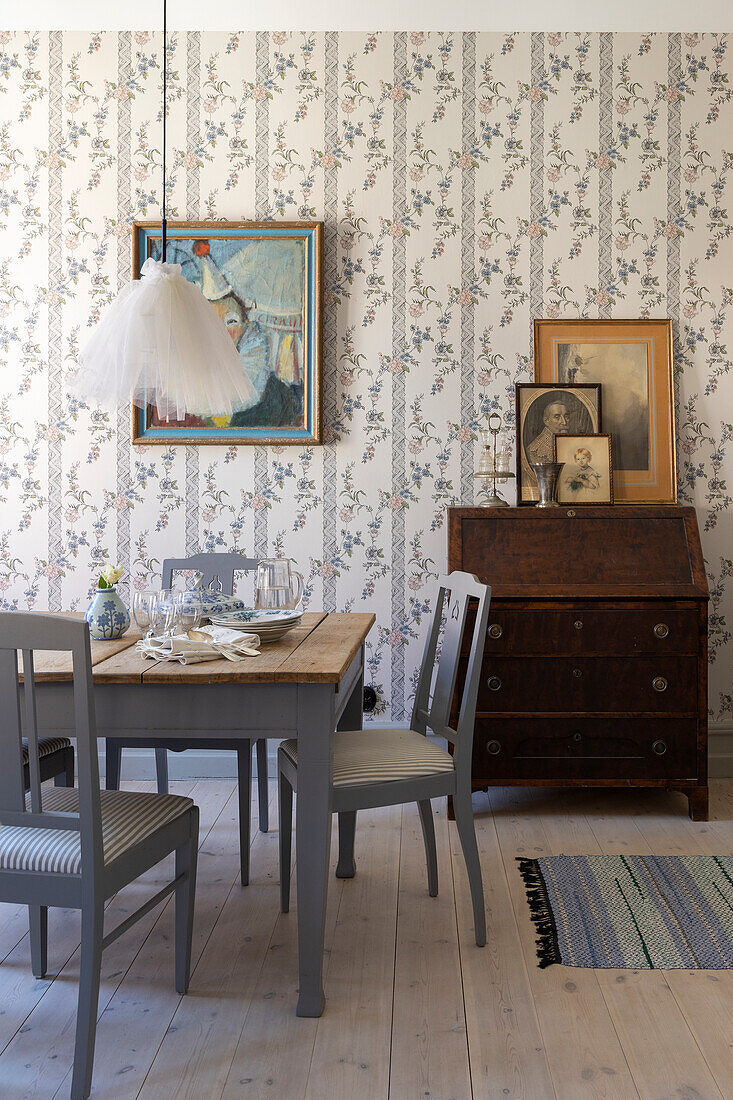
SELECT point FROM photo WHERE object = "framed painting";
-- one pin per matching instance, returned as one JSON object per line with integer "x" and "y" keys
{"x": 544, "y": 412}
{"x": 264, "y": 281}
{"x": 632, "y": 361}
{"x": 587, "y": 473}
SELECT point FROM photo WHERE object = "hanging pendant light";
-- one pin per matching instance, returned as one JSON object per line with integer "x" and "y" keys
{"x": 160, "y": 342}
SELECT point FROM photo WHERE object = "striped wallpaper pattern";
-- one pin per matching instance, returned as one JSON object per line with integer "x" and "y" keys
{"x": 468, "y": 183}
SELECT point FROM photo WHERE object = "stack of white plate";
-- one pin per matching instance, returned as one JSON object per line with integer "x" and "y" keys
{"x": 270, "y": 625}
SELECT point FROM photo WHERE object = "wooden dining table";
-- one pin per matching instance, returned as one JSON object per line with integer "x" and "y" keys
{"x": 306, "y": 685}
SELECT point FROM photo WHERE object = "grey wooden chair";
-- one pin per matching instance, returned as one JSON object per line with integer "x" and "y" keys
{"x": 77, "y": 847}
{"x": 386, "y": 767}
{"x": 222, "y": 566}
{"x": 56, "y": 757}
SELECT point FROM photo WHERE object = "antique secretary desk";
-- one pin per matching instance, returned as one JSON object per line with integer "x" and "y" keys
{"x": 595, "y": 661}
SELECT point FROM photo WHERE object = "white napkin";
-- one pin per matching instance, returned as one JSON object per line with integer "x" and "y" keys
{"x": 206, "y": 644}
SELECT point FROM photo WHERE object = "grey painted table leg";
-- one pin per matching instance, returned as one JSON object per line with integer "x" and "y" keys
{"x": 313, "y": 837}
{"x": 352, "y": 718}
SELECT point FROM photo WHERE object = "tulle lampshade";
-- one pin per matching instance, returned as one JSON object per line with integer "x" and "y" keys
{"x": 160, "y": 342}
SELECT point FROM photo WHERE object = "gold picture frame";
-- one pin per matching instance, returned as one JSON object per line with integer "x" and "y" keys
{"x": 587, "y": 474}
{"x": 212, "y": 254}
{"x": 633, "y": 362}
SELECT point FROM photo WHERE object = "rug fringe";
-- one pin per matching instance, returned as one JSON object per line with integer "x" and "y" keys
{"x": 548, "y": 948}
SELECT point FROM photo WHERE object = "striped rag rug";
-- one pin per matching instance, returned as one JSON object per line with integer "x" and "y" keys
{"x": 642, "y": 912}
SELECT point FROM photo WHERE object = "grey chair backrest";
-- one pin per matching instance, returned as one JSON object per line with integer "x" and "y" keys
{"x": 25, "y": 632}
{"x": 455, "y": 591}
{"x": 223, "y": 566}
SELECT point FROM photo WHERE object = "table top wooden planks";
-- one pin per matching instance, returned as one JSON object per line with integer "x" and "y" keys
{"x": 329, "y": 650}
{"x": 319, "y": 650}
{"x": 264, "y": 669}
{"x": 55, "y": 665}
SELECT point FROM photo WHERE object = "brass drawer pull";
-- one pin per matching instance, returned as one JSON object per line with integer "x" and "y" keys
{"x": 577, "y": 673}
{"x": 494, "y": 683}
{"x": 493, "y": 747}
{"x": 578, "y": 624}
{"x": 659, "y": 747}
{"x": 495, "y": 630}
{"x": 659, "y": 683}
{"x": 661, "y": 630}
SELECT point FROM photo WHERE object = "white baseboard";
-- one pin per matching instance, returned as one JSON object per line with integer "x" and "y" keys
{"x": 720, "y": 751}
{"x": 139, "y": 764}
{"x": 205, "y": 764}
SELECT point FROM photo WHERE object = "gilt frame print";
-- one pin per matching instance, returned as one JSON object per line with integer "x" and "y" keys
{"x": 264, "y": 281}
{"x": 632, "y": 361}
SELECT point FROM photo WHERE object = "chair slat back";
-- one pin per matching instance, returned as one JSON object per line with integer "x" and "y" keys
{"x": 223, "y": 566}
{"x": 31, "y": 730}
{"x": 12, "y": 779}
{"x": 441, "y": 659}
{"x": 24, "y": 632}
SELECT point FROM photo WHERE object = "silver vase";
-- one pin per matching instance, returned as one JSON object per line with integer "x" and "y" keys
{"x": 547, "y": 474}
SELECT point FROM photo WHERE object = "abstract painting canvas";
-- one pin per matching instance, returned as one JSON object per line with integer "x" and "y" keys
{"x": 263, "y": 280}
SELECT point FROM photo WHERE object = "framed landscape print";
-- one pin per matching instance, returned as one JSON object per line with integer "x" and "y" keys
{"x": 544, "y": 412}
{"x": 264, "y": 281}
{"x": 587, "y": 473}
{"x": 632, "y": 361}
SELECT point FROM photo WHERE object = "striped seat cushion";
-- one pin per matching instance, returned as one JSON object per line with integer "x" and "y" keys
{"x": 46, "y": 745}
{"x": 381, "y": 756}
{"x": 128, "y": 817}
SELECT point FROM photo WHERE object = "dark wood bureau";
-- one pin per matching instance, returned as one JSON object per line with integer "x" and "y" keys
{"x": 595, "y": 661}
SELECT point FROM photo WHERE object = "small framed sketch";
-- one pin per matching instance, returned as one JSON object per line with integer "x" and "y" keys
{"x": 544, "y": 412}
{"x": 587, "y": 476}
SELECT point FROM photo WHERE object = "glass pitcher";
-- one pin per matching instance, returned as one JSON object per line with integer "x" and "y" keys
{"x": 275, "y": 587}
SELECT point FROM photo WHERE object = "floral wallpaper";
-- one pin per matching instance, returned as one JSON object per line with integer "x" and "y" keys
{"x": 468, "y": 183}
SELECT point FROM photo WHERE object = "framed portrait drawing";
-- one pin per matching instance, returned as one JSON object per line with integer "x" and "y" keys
{"x": 632, "y": 361}
{"x": 544, "y": 412}
{"x": 587, "y": 473}
{"x": 264, "y": 281}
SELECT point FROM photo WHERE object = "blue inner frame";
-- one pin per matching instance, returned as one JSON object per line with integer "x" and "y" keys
{"x": 148, "y": 233}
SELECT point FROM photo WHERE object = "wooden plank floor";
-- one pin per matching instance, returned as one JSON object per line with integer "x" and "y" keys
{"x": 415, "y": 1010}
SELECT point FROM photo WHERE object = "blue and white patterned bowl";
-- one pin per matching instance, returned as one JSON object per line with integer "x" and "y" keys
{"x": 212, "y": 603}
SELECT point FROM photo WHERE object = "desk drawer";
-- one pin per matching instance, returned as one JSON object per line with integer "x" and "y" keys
{"x": 656, "y": 630}
{"x": 648, "y": 685}
{"x": 619, "y": 749}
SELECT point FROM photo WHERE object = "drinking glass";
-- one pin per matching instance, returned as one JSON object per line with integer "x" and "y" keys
{"x": 142, "y": 612}
{"x": 191, "y": 612}
{"x": 166, "y": 612}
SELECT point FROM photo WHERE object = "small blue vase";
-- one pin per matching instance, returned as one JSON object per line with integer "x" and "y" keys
{"x": 107, "y": 615}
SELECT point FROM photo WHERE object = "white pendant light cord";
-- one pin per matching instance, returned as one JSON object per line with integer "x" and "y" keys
{"x": 160, "y": 343}
{"x": 164, "y": 204}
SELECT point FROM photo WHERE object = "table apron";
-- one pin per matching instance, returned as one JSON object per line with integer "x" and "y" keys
{"x": 190, "y": 711}
{"x": 351, "y": 682}
{"x": 177, "y": 710}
